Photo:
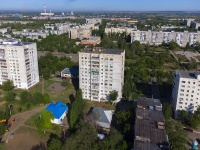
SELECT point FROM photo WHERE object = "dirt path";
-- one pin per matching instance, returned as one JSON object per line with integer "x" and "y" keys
{"x": 20, "y": 119}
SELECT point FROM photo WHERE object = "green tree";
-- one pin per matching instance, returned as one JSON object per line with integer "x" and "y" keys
{"x": 25, "y": 96}
{"x": 37, "y": 98}
{"x": 183, "y": 116}
{"x": 76, "y": 112}
{"x": 44, "y": 121}
{"x": 9, "y": 96}
{"x": 113, "y": 95}
{"x": 194, "y": 121}
{"x": 2, "y": 129}
{"x": 167, "y": 111}
{"x": 54, "y": 144}
{"x": 85, "y": 138}
{"x": 28, "y": 106}
{"x": 46, "y": 98}
{"x": 177, "y": 136}
{"x": 114, "y": 141}
{"x": 7, "y": 85}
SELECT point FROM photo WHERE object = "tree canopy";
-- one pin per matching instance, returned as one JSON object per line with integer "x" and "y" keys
{"x": 44, "y": 121}
{"x": 76, "y": 111}
{"x": 7, "y": 85}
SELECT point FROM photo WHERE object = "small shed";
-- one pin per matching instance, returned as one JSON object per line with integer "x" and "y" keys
{"x": 102, "y": 117}
{"x": 69, "y": 73}
{"x": 59, "y": 111}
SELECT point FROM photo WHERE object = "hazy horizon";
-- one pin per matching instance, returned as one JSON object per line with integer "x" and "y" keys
{"x": 103, "y": 5}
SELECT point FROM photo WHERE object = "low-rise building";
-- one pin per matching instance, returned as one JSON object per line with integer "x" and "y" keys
{"x": 149, "y": 129}
{"x": 59, "y": 111}
{"x": 93, "y": 40}
{"x": 102, "y": 118}
{"x": 70, "y": 73}
{"x": 186, "y": 91}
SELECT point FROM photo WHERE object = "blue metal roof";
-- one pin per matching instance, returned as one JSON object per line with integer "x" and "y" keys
{"x": 57, "y": 109}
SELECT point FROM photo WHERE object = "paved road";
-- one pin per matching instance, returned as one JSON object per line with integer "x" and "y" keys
{"x": 20, "y": 119}
{"x": 74, "y": 57}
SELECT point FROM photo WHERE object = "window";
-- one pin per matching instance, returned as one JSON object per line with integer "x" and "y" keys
{"x": 182, "y": 90}
{"x": 183, "y": 82}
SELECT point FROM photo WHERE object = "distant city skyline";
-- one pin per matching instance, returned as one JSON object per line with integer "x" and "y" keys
{"x": 102, "y": 5}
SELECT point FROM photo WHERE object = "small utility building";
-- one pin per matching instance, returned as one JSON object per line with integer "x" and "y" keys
{"x": 102, "y": 117}
{"x": 69, "y": 73}
{"x": 59, "y": 111}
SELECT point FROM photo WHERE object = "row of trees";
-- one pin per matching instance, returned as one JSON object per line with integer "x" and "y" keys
{"x": 192, "y": 120}
{"x": 60, "y": 43}
{"x": 34, "y": 98}
{"x": 177, "y": 135}
{"x": 50, "y": 64}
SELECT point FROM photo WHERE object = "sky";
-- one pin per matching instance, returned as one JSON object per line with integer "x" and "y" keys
{"x": 102, "y": 5}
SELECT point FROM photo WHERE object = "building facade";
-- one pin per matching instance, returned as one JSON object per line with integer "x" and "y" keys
{"x": 19, "y": 63}
{"x": 158, "y": 37}
{"x": 186, "y": 90}
{"x": 101, "y": 71}
{"x": 93, "y": 20}
{"x": 75, "y": 33}
{"x": 120, "y": 30}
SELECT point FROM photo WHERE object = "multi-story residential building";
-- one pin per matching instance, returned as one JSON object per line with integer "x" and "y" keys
{"x": 188, "y": 21}
{"x": 195, "y": 25}
{"x": 93, "y": 20}
{"x": 120, "y": 30}
{"x": 186, "y": 90}
{"x": 75, "y": 33}
{"x": 158, "y": 37}
{"x": 19, "y": 63}
{"x": 101, "y": 71}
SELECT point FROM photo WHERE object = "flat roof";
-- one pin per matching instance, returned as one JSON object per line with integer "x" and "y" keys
{"x": 102, "y": 50}
{"x": 187, "y": 74}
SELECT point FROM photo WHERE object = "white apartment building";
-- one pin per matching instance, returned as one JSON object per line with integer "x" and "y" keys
{"x": 93, "y": 20}
{"x": 101, "y": 71}
{"x": 120, "y": 30}
{"x": 186, "y": 91}
{"x": 157, "y": 37}
{"x": 19, "y": 63}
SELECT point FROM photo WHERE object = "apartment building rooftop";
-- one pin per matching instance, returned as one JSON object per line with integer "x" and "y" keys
{"x": 187, "y": 74}
{"x": 99, "y": 50}
{"x": 149, "y": 125}
{"x": 13, "y": 42}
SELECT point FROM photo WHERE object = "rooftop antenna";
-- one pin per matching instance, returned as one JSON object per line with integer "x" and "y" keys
{"x": 44, "y": 8}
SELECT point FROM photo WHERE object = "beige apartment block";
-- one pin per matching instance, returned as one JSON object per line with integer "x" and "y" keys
{"x": 158, "y": 37}
{"x": 101, "y": 71}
